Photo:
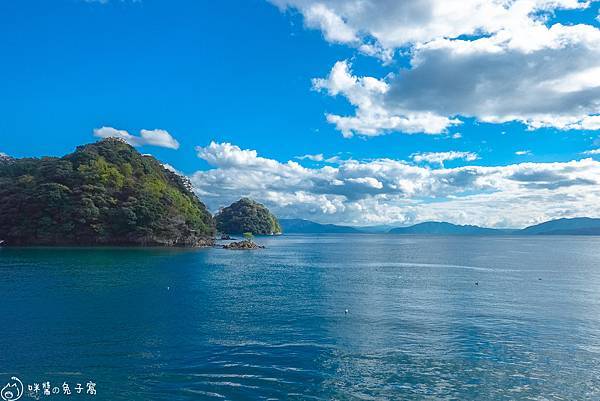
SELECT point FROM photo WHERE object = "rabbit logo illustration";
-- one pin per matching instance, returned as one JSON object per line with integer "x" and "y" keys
{"x": 13, "y": 390}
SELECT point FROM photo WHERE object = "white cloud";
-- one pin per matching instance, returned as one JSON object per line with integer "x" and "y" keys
{"x": 592, "y": 152}
{"x": 552, "y": 80}
{"x": 155, "y": 137}
{"x": 315, "y": 158}
{"x": 523, "y": 152}
{"x": 366, "y": 181}
{"x": 334, "y": 160}
{"x": 395, "y": 24}
{"x": 385, "y": 190}
{"x": 588, "y": 123}
{"x": 441, "y": 157}
{"x": 516, "y": 66}
{"x": 231, "y": 156}
{"x": 457, "y": 135}
{"x": 319, "y": 16}
{"x": 373, "y": 117}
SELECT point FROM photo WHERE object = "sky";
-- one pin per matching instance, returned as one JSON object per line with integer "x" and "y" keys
{"x": 361, "y": 112}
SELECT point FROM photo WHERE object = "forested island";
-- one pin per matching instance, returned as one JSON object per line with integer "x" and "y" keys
{"x": 247, "y": 216}
{"x": 107, "y": 193}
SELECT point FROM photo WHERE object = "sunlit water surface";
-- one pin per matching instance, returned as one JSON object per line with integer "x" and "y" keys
{"x": 271, "y": 324}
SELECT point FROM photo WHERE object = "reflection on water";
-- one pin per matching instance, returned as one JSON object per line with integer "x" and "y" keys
{"x": 214, "y": 324}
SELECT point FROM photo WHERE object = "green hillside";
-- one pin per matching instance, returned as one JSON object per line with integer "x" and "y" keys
{"x": 104, "y": 193}
{"x": 247, "y": 215}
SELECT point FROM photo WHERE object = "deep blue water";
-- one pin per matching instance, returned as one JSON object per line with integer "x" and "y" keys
{"x": 208, "y": 324}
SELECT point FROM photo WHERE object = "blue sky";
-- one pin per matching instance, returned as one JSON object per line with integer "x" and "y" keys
{"x": 242, "y": 73}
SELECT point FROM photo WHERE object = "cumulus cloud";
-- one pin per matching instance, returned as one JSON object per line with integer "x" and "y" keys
{"x": 552, "y": 80}
{"x": 318, "y": 15}
{"x": 592, "y": 152}
{"x": 395, "y": 24}
{"x": 156, "y": 137}
{"x": 372, "y": 115}
{"x": 495, "y": 61}
{"x": 441, "y": 157}
{"x": 395, "y": 191}
{"x": 523, "y": 152}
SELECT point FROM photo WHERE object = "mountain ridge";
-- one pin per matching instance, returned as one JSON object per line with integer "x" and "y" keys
{"x": 303, "y": 226}
{"x": 444, "y": 228}
{"x": 564, "y": 226}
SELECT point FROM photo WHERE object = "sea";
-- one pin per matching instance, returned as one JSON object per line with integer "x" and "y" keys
{"x": 310, "y": 317}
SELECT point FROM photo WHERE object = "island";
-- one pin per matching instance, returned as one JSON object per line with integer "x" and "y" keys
{"x": 104, "y": 193}
{"x": 247, "y": 216}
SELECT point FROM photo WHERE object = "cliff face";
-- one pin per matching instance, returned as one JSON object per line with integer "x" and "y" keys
{"x": 245, "y": 216}
{"x": 105, "y": 193}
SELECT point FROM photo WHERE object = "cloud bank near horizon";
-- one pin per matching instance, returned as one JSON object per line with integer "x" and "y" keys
{"x": 386, "y": 191}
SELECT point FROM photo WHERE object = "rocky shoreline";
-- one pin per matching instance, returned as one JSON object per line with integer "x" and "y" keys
{"x": 206, "y": 242}
{"x": 243, "y": 245}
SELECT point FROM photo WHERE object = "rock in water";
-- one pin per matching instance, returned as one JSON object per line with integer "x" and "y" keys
{"x": 243, "y": 245}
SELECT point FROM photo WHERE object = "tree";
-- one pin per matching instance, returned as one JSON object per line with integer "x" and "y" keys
{"x": 247, "y": 215}
{"x": 103, "y": 193}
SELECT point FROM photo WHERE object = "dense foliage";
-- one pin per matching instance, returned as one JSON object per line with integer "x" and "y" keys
{"x": 103, "y": 193}
{"x": 245, "y": 216}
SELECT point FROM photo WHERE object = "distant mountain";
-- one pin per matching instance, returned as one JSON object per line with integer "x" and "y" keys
{"x": 381, "y": 229}
{"x": 301, "y": 226}
{"x": 442, "y": 228}
{"x": 576, "y": 226}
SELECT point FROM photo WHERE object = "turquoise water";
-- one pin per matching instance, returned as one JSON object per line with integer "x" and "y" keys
{"x": 271, "y": 324}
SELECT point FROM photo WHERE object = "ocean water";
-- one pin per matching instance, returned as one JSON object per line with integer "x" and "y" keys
{"x": 429, "y": 318}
